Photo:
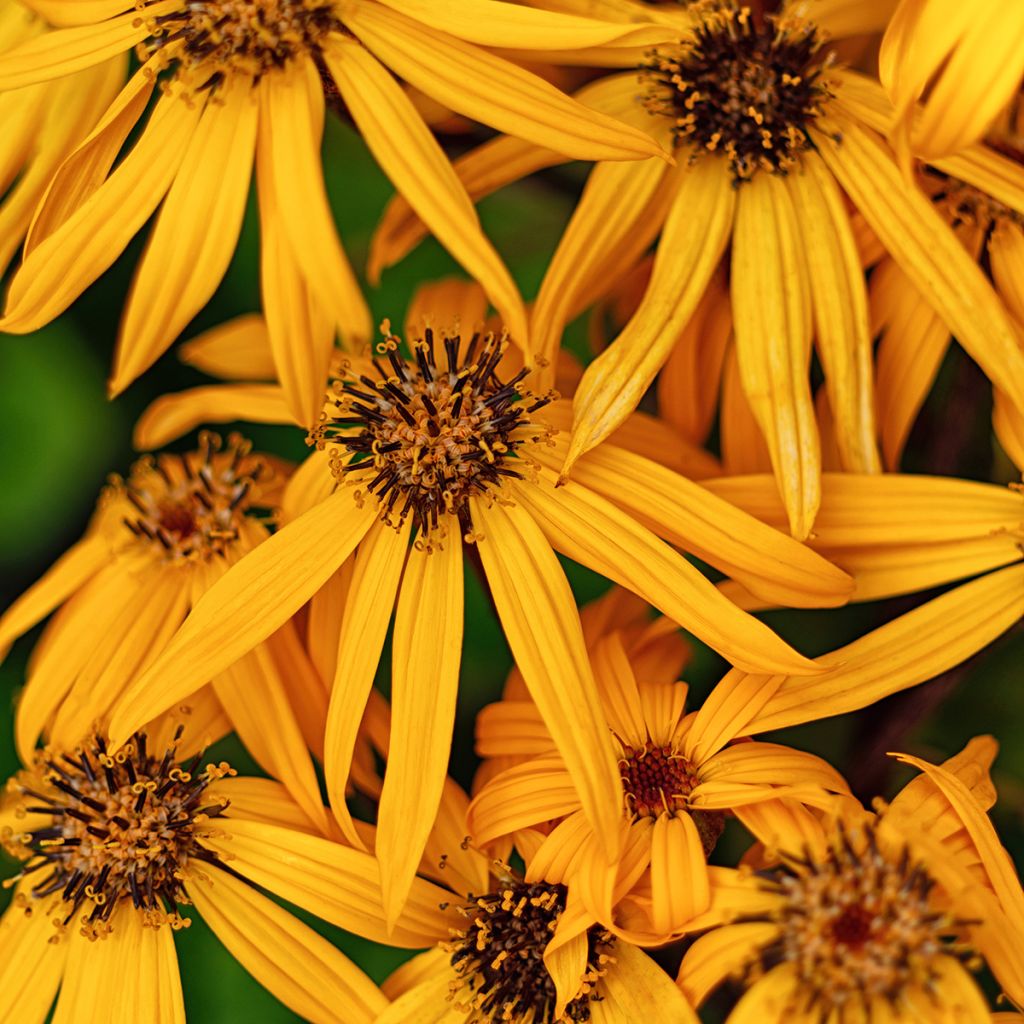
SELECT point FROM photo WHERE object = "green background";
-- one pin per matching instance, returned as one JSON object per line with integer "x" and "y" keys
{"x": 61, "y": 438}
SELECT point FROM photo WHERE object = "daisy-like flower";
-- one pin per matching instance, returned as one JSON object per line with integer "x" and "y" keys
{"x": 243, "y": 81}
{"x": 113, "y": 847}
{"x": 158, "y": 540}
{"x": 877, "y": 917}
{"x": 681, "y": 775}
{"x": 768, "y": 133}
{"x": 523, "y": 951}
{"x": 443, "y": 448}
{"x": 42, "y": 125}
{"x": 966, "y": 61}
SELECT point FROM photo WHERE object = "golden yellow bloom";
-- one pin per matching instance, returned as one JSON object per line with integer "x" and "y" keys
{"x": 444, "y": 448}
{"x": 523, "y": 950}
{"x": 158, "y": 541}
{"x": 768, "y": 134}
{"x": 240, "y": 82}
{"x": 113, "y": 847}
{"x": 681, "y": 775}
{"x": 877, "y": 917}
{"x": 967, "y": 60}
{"x": 42, "y": 125}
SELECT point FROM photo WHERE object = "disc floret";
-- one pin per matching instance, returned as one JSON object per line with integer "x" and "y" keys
{"x": 745, "y": 88}
{"x": 499, "y": 957}
{"x": 431, "y": 431}
{"x": 122, "y": 828}
{"x": 860, "y": 924}
{"x": 192, "y": 506}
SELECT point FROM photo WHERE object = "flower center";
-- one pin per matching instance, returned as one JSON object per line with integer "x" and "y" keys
{"x": 431, "y": 433}
{"x": 964, "y": 204}
{"x": 659, "y": 780}
{"x": 859, "y": 925}
{"x": 499, "y": 957}
{"x": 746, "y": 89}
{"x": 123, "y": 827}
{"x": 192, "y": 505}
{"x": 211, "y": 39}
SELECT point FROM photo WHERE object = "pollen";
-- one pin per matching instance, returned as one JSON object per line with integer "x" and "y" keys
{"x": 122, "y": 828}
{"x": 658, "y": 780}
{"x": 861, "y": 925}
{"x": 431, "y": 431}
{"x": 209, "y": 40}
{"x": 743, "y": 88}
{"x": 966, "y": 205}
{"x": 192, "y": 506}
{"x": 499, "y": 957}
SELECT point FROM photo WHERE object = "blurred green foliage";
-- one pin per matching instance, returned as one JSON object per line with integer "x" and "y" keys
{"x": 61, "y": 438}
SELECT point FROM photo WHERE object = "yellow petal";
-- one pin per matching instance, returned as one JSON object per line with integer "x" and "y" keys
{"x": 195, "y": 233}
{"x": 245, "y": 606}
{"x": 427, "y": 1002}
{"x": 30, "y": 964}
{"x": 1006, "y": 256}
{"x": 291, "y": 178}
{"x": 368, "y": 608}
{"x": 590, "y": 530}
{"x": 637, "y": 989}
{"x": 770, "y": 764}
{"x": 69, "y": 259}
{"x": 839, "y": 304}
{"x": 414, "y": 161}
{"x": 290, "y": 960}
{"x": 679, "y": 880}
{"x": 744, "y": 449}
{"x": 906, "y": 651}
{"x": 424, "y": 686}
{"x": 538, "y": 614}
{"x": 236, "y": 350}
{"x": 66, "y": 576}
{"x": 692, "y": 242}
{"x": 720, "y": 955}
{"x": 512, "y": 727}
{"x": 928, "y": 251}
{"x": 1008, "y": 423}
{"x": 771, "y": 309}
{"x": 170, "y": 416}
{"x": 256, "y": 799}
{"x": 492, "y": 90}
{"x": 335, "y": 882}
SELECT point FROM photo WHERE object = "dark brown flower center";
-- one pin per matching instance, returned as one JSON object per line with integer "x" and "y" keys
{"x": 209, "y": 40}
{"x": 744, "y": 88}
{"x": 964, "y": 204}
{"x": 431, "y": 431}
{"x": 122, "y": 828}
{"x": 860, "y": 924}
{"x": 499, "y": 957}
{"x": 192, "y": 505}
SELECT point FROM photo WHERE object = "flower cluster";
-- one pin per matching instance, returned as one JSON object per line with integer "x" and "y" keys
{"x": 455, "y": 639}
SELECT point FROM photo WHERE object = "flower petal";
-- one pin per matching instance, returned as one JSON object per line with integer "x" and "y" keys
{"x": 635, "y": 989}
{"x": 679, "y": 879}
{"x": 722, "y": 954}
{"x": 236, "y": 350}
{"x": 30, "y": 964}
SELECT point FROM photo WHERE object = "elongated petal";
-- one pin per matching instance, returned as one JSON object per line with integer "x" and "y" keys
{"x": 679, "y": 880}
{"x": 195, "y": 234}
{"x": 291, "y": 177}
{"x": 539, "y": 617}
{"x": 720, "y": 954}
{"x": 1008, "y": 423}
{"x": 637, "y": 989}
{"x": 424, "y": 686}
{"x": 30, "y": 964}
{"x": 170, "y": 416}
{"x": 69, "y": 259}
{"x": 839, "y": 304}
{"x": 928, "y": 251}
{"x": 426, "y": 1002}
{"x": 766, "y": 561}
{"x": 69, "y": 573}
{"x": 493, "y": 91}
{"x": 770, "y": 764}
{"x": 368, "y": 607}
{"x": 414, "y": 161}
{"x": 236, "y": 350}
{"x": 771, "y": 309}
{"x": 335, "y": 882}
{"x": 590, "y": 530}
{"x": 245, "y": 606}
{"x": 286, "y": 957}
{"x": 909, "y": 650}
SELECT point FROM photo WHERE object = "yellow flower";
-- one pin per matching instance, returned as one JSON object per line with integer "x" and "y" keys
{"x": 446, "y": 449}
{"x": 42, "y": 125}
{"x": 523, "y": 950}
{"x": 240, "y": 82}
{"x": 158, "y": 540}
{"x": 768, "y": 134}
{"x": 877, "y": 917}
{"x": 113, "y": 846}
{"x": 968, "y": 59}
{"x": 681, "y": 775}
